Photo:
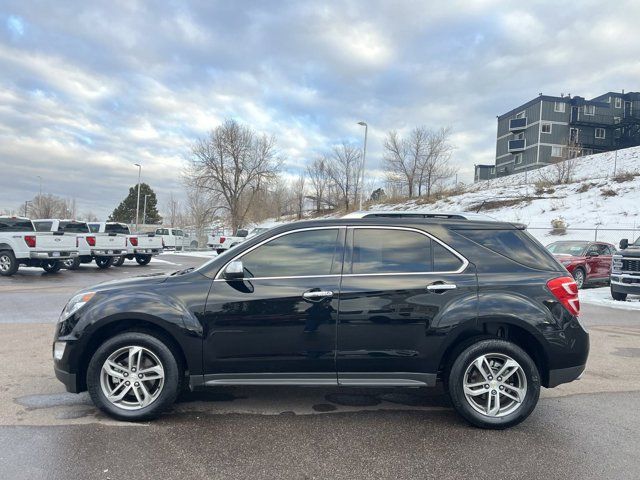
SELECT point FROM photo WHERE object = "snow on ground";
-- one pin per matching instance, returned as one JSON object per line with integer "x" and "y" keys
{"x": 602, "y": 296}
{"x": 581, "y": 203}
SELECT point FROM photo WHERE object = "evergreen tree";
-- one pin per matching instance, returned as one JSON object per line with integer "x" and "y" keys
{"x": 126, "y": 211}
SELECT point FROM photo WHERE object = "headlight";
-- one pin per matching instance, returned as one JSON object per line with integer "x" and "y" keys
{"x": 75, "y": 304}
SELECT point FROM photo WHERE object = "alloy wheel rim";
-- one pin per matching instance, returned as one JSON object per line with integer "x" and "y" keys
{"x": 68, "y": 262}
{"x": 5, "y": 263}
{"x": 579, "y": 278}
{"x": 495, "y": 385}
{"x": 132, "y": 377}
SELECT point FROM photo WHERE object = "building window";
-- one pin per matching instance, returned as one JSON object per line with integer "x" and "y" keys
{"x": 589, "y": 109}
{"x": 521, "y": 114}
{"x": 616, "y": 119}
{"x": 618, "y": 103}
{"x": 492, "y": 171}
{"x": 518, "y": 159}
{"x": 618, "y": 133}
{"x": 546, "y": 128}
{"x": 600, "y": 133}
{"x": 559, "y": 107}
{"x": 556, "y": 151}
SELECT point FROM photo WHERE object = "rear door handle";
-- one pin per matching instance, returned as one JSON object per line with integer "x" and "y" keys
{"x": 317, "y": 294}
{"x": 441, "y": 287}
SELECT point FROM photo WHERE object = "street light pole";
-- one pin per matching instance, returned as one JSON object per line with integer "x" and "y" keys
{"x": 364, "y": 158}
{"x": 138, "y": 202}
{"x": 144, "y": 210}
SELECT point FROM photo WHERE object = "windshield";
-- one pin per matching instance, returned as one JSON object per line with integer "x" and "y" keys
{"x": 567, "y": 248}
{"x": 637, "y": 242}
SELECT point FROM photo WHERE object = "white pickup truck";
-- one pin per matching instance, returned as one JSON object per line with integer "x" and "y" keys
{"x": 140, "y": 246}
{"x": 20, "y": 244}
{"x": 222, "y": 243}
{"x": 100, "y": 247}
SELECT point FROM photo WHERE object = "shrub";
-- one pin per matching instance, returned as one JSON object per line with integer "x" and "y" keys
{"x": 622, "y": 177}
{"x": 607, "y": 192}
{"x": 559, "y": 226}
{"x": 584, "y": 187}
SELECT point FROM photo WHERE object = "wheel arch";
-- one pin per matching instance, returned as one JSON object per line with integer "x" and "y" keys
{"x": 517, "y": 332}
{"x": 123, "y": 325}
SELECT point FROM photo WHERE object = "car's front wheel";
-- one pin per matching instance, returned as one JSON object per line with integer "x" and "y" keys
{"x": 494, "y": 384}
{"x": 579, "y": 276}
{"x": 104, "y": 262}
{"x": 620, "y": 297}
{"x": 133, "y": 376}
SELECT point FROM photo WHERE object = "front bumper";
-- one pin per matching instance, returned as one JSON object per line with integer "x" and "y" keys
{"x": 625, "y": 283}
{"x": 68, "y": 379}
{"x": 53, "y": 255}
{"x": 565, "y": 375}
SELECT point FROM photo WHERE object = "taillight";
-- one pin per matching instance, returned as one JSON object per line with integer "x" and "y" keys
{"x": 162, "y": 242}
{"x": 30, "y": 240}
{"x": 565, "y": 290}
{"x": 134, "y": 241}
{"x": 222, "y": 239}
{"x": 91, "y": 241}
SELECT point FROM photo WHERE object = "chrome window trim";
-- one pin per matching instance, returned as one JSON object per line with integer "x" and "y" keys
{"x": 240, "y": 255}
{"x": 465, "y": 262}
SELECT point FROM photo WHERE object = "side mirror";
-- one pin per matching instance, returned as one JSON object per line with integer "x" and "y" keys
{"x": 234, "y": 271}
{"x": 242, "y": 232}
{"x": 624, "y": 243}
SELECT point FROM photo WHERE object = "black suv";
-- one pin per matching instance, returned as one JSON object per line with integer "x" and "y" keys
{"x": 370, "y": 302}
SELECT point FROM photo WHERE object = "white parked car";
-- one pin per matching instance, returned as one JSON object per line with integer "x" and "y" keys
{"x": 20, "y": 244}
{"x": 108, "y": 251}
{"x": 141, "y": 247}
{"x": 222, "y": 243}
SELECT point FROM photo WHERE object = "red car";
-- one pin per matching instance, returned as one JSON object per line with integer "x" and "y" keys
{"x": 588, "y": 262}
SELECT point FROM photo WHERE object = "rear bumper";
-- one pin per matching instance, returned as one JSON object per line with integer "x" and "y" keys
{"x": 108, "y": 252}
{"x": 565, "y": 375}
{"x": 147, "y": 251}
{"x": 53, "y": 255}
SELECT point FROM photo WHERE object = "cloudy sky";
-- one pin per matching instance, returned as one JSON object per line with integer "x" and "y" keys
{"x": 87, "y": 89}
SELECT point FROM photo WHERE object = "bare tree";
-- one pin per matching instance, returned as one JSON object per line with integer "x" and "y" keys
{"x": 403, "y": 157}
{"x": 174, "y": 210}
{"x": 320, "y": 178}
{"x": 434, "y": 166}
{"x": 232, "y": 164}
{"x": 299, "y": 194}
{"x": 345, "y": 169}
{"x": 51, "y": 206}
{"x": 200, "y": 210}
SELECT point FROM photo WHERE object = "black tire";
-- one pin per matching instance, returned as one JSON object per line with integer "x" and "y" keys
{"x": 143, "y": 259}
{"x": 8, "y": 263}
{"x": 52, "y": 266}
{"x": 104, "y": 262}
{"x": 493, "y": 347}
{"x": 118, "y": 261}
{"x": 580, "y": 277}
{"x": 194, "y": 244}
{"x": 620, "y": 297}
{"x": 72, "y": 263}
{"x": 172, "y": 376}
{"x": 220, "y": 250}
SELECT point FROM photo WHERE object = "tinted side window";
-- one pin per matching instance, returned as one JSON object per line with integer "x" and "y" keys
{"x": 43, "y": 226}
{"x": 178, "y": 233}
{"x": 603, "y": 249}
{"x": 516, "y": 245}
{"x": 444, "y": 260}
{"x": 308, "y": 253}
{"x": 15, "y": 225}
{"x": 390, "y": 251}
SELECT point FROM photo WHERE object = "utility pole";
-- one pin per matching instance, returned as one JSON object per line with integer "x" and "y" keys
{"x": 364, "y": 157}
{"x": 138, "y": 202}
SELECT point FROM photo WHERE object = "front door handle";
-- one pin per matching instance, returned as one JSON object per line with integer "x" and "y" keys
{"x": 317, "y": 294}
{"x": 441, "y": 287}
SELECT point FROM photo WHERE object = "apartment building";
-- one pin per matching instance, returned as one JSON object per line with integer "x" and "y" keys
{"x": 548, "y": 129}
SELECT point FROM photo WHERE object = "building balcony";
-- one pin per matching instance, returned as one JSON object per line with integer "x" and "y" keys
{"x": 517, "y": 124}
{"x": 517, "y": 145}
{"x": 578, "y": 117}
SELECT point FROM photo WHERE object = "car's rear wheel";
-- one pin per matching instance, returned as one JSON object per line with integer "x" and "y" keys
{"x": 52, "y": 266}
{"x": 143, "y": 259}
{"x": 104, "y": 262}
{"x": 118, "y": 261}
{"x": 220, "y": 250}
{"x": 579, "y": 276}
{"x": 620, "y": 297}
{"x": 8, "y": 263}
{"x": 71, "y": 263}
{"x": 494, "y": 384}
{"x": 133, "y": 376}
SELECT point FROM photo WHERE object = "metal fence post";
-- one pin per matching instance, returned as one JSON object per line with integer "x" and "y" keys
{"x": 596, "y": 239}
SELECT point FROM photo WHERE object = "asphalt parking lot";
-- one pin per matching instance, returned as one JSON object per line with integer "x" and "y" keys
{"x": 583, "y": 430}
